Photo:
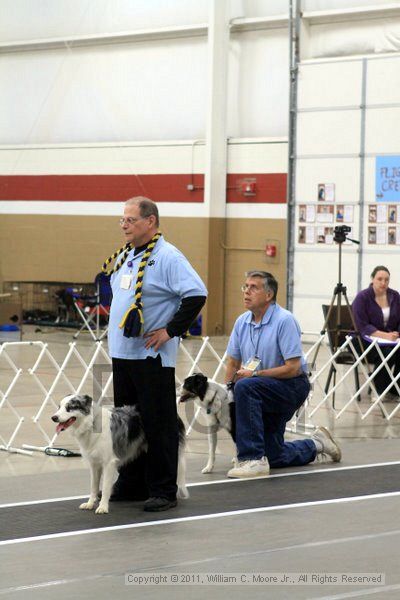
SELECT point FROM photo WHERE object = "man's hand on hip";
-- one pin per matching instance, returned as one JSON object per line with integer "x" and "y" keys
{"x": 156, "y": 338}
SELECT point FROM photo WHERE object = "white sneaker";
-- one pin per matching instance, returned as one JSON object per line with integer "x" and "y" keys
{"x": 329, "y": 446}
{"x": 250, "y": 468}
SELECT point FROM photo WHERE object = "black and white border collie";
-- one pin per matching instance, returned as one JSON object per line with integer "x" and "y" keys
{"x": 218, "y": 405}
{"x": 109, "y": 438}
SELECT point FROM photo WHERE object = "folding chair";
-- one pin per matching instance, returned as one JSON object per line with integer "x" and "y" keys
{"x": 95, "y": 309}
{"x": 65, "y": 305}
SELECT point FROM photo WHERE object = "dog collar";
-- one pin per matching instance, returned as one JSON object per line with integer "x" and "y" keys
{"x": 210, "y": 403}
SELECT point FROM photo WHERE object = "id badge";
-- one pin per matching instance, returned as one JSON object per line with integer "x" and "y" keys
{"x": 126, "y": 281}
{"x": 252, "y": 364}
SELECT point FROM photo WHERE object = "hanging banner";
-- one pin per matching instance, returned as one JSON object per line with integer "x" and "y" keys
{"x": 387, "y": 179}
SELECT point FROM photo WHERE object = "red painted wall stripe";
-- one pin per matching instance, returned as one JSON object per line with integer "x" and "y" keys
{"x": 270, "y": 187}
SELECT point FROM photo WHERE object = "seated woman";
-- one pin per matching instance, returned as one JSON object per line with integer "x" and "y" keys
{"x": 376, "y": 313}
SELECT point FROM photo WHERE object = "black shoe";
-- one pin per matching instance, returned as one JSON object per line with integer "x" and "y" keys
{"x": 154, "y": 504}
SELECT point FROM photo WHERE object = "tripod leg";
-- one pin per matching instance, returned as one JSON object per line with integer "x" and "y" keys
{"x": 360, "y": 344}
{"x": 357, "y": 382}
{"x": 324, "y": 329}
{"x": 334, "y": 383}
{"x": 328, "y": 381}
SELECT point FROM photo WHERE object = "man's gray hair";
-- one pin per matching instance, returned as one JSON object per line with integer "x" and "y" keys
{"x": 146, "y": 207}
{"x": 269, "y": 282}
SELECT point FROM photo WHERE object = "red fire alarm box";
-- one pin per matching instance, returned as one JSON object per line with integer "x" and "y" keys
{"x": 272, "y": 251}
{"x": 248, "y": 186}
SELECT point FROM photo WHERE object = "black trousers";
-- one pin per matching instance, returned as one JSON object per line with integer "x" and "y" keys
{"x": 151, "y": 387}
{"x": 383, "y": 379}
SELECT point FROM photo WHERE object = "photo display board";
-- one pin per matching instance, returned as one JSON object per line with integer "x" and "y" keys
{"x": 318, "y": 220}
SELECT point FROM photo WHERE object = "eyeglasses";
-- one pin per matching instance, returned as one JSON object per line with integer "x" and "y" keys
{"x": 130, "y": 220}
{"x": 252, "y": 289}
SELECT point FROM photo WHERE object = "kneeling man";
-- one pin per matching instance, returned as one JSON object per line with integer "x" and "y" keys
{"x": 266, "y": 363}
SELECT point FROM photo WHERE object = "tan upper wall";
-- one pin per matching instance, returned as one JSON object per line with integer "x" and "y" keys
{"x": 54, "y": 230}
{"x": 55, "y": 248}
{"x": 246, "y": 240}
{"x": 73, "y": 248}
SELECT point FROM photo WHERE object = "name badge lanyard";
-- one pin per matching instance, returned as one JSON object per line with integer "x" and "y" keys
{"x": 126, "y": 279}
{"x": 129, "y": 264}
{"x": 255, "y": 346}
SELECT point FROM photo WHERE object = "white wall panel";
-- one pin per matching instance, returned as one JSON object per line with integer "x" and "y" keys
{"x": 383, "y": 84}
{"x": 325, "y": 133}
{"x": 316, "y": 275}
{"x": 332, "y": 4}
{"x": 166, "y": 209}
{"x": 382, "y": 130}
{"x": 256, "y": 211}
{"x": 59, "y": 18}
{"x": 151, "y": 158}
{"x": 258, "y": 90}
{"x": 96, "y": 209}
{"x": 143, "y": 91}
{"x": 258, "y": 157}
{"x": 344, "y": 172}
{"x": 261, "y": 8}
{"x": 318, "y": 84}
{"x": 308, "y": 311}
{"x": 328, "y": 132}
{"x": 40, "y": 19}
{"x": 316, "y": 270}
{"x": 111, "y": 160}
{"x": 358, "y": 37}
{"x": 389, "y": 260}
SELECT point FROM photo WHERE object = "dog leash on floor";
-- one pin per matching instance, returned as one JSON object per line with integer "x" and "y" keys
{"x": 50, "y": 451}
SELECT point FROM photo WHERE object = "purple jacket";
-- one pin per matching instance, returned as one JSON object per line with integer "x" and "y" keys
{"x": 368, "y": 314}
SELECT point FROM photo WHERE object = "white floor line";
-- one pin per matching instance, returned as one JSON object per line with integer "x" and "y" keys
{"x": 218, "y": 481}
{"x": 214, "y": 559}
{"x": 231, "y": 513}
{"x": 361, "y": 593}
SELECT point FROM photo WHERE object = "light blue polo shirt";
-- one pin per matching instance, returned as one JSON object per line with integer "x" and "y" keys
{"x": 168, "y": 277}
{"x": 275, "y": 339}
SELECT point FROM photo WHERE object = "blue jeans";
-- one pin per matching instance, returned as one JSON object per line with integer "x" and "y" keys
{"x": 263, "y": 407}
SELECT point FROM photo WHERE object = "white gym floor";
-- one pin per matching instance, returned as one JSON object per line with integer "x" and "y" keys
{"x": 314, "y": 542}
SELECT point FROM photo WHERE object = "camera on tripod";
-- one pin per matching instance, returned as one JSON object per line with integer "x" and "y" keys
{"x": 340, "y": 233}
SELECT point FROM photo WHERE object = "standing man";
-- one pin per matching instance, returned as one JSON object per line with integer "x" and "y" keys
{"x": 265, "y": 360}
{"x": 156, "y": 296}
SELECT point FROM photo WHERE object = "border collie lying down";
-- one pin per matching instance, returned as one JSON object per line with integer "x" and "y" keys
{"x": 107, "y": 440}
{"x": 218, "y": 405}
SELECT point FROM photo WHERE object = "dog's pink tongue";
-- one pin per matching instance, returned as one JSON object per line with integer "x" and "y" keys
{"x": 62, "y": 426}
